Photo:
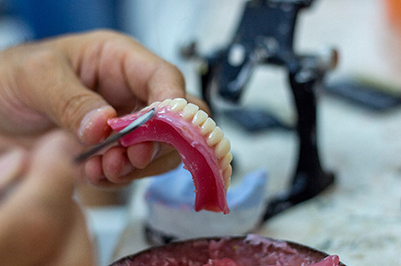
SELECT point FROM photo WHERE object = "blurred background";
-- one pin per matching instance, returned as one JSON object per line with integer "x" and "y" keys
{"x": 360, "y": 217}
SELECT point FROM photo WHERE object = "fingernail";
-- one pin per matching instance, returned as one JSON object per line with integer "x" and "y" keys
{"x": 126, "y": 169}
{"x": 10, "y": 166}
{"x": 156, "y": 149}
{"x": 89, "y": 122}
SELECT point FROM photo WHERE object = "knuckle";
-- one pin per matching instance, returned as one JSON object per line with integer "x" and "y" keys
{"x": 176, "y": 72}
{"x": 105, "y": 34}
{"x": 171, "y": 69}
{"x": 165, "y": 70}
{"x": 40, "y": 60}
{"x": 36, "y": 67}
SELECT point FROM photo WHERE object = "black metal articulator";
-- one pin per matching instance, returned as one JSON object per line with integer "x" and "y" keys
{"x": 265, "y": 35}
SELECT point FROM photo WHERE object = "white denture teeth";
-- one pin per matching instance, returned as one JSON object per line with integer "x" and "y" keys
{"x": 165, "y": 102}
{"x": 199, "y": 118}
{"x": 208, "y": 126}
{"x": 153, "y": 105}
{"x": 227, "y": 176}
{"x": 222, "y": 148}
{"x": 178, "y": 104}
{"x": 189, "y": 111}
{"x": 226, "y": 160}
{"x": 215, "y": 136}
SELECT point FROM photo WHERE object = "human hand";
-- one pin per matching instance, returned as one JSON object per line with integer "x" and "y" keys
{"x": 77, "y": 82}
{"x": 40, "y": 222}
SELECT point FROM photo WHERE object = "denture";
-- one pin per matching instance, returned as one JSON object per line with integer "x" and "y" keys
{"x": 203, "y": 148}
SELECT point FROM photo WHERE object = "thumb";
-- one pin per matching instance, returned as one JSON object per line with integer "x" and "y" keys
{"x": 52, "y": 179}
{"x": 40, "y": 219}
{"x": 52, "y": 172}
{"x": 54, "y": 88}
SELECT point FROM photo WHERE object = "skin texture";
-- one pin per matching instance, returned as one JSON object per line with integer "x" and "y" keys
{"x": 40, "y": 223}
{"x": 77, "y": 82}
{"x": 73, "y": 85}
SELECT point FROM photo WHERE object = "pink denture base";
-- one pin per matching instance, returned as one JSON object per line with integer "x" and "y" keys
{"x": 169, "y": 127}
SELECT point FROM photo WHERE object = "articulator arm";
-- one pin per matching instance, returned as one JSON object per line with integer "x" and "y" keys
{"x": 265, "y": 36}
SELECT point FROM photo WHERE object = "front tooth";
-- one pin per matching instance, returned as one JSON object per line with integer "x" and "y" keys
{"x": 166, "y": 102}
{"x": 222, "y": 148}
{"x": 214, "y": 137}
{"x": 227, "y": 176}
{"x": 226, "y": 160}
{"x": 189, "y": 111}
{"x": 199, "y": 118}
{"x": 153, "y": 105}
{"x": 208, "y": 126}
{"x": 178, "y": 104}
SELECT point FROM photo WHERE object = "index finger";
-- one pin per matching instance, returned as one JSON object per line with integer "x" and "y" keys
{"x": 122, "y": 70}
